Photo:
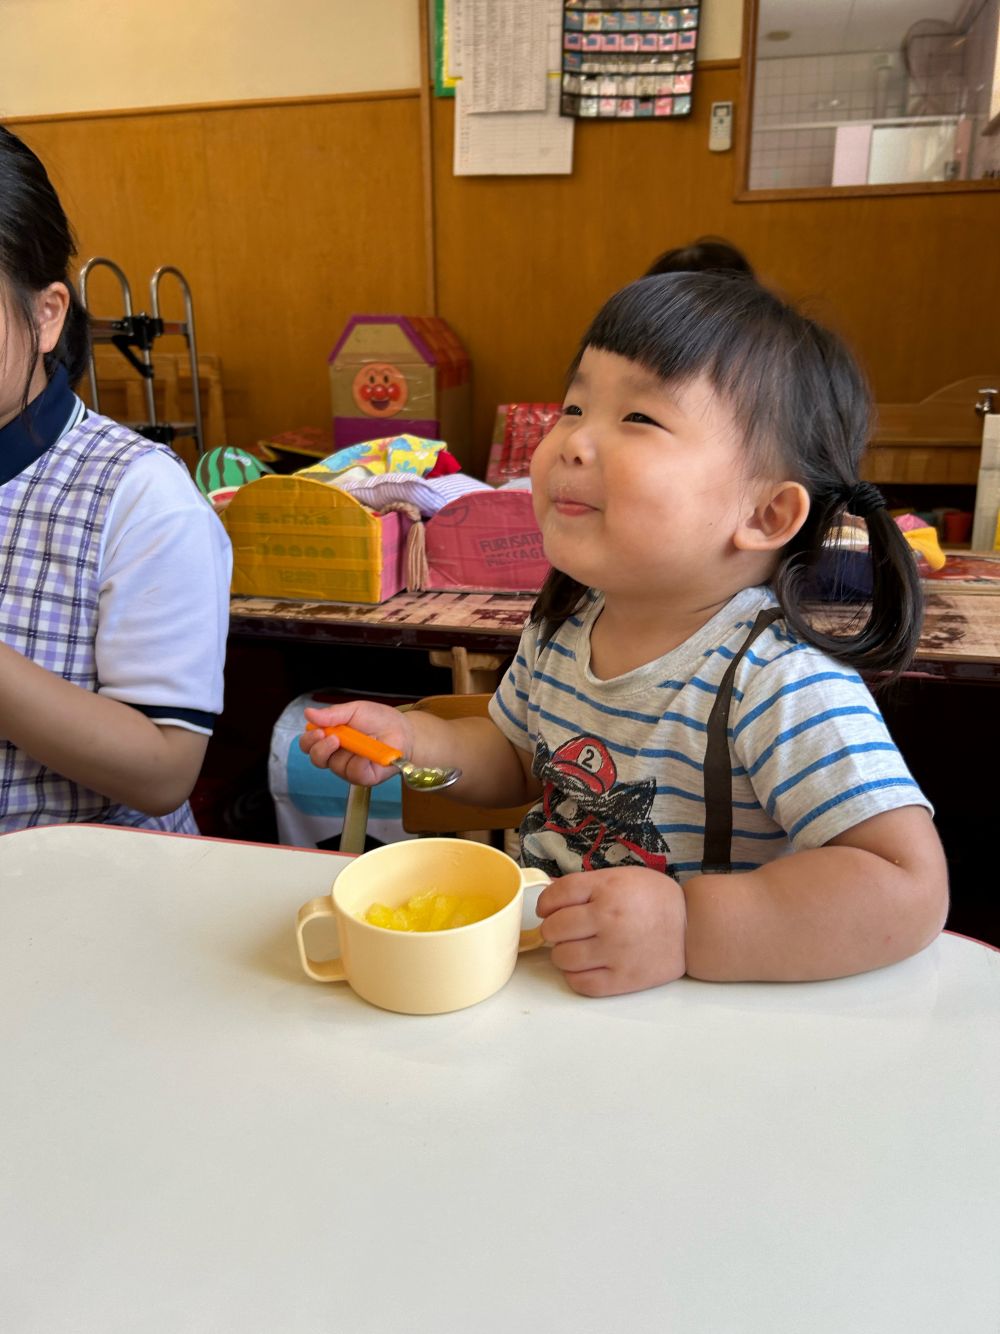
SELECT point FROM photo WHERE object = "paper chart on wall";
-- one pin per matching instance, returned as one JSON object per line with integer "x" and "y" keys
{"x": 453, "y": 11}
{"x": 514, "y": 143}
{"x": 504, "y": 54}
{"x": 552, "y": 11}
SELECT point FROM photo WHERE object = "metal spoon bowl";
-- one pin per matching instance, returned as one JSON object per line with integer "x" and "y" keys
{"x": 427, "y": 778}
{"x": 422, "y": 778}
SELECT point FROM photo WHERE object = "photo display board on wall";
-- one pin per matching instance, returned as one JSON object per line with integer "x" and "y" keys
{"x": 627, "y": 61}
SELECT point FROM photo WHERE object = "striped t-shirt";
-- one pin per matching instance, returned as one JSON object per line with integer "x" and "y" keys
{"x": 621, "y": 760}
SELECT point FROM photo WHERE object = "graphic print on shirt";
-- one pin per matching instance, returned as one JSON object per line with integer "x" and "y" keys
{"x": 584, "y": 809}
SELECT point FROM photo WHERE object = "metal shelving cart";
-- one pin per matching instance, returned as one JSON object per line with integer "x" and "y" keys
{"x": 134, "y": 335}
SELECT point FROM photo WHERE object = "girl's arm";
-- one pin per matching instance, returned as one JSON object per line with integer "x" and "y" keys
{"x": 96, "y": 741}
{"x": 494, "y": 772}
{"x": 160, "y": 640}
{"x": 873, "y": 895}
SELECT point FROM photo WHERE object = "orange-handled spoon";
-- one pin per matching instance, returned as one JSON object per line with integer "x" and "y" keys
{"x": 425, "y": 778}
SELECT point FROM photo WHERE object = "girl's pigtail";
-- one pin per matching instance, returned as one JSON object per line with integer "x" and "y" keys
{"x": 888, "y": 638}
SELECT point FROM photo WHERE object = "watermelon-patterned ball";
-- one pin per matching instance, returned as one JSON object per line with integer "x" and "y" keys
{"x": 227, "y": 467}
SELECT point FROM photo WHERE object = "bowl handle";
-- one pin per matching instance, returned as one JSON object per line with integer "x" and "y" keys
{"x": 321, "y": 970}
{"x": 532, "y": 938}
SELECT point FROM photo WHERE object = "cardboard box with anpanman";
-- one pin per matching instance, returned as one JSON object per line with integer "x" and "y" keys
{"x": 401, "y": 375}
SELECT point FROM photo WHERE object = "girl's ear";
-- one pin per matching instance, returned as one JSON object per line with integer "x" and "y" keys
{"x": 51, "y": 305}
{"x": 781, "y": 510}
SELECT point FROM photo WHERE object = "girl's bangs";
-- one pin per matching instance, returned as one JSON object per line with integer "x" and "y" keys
{"x": 682, "y": 325}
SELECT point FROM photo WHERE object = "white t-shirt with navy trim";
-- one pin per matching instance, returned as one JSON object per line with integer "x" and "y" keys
{"x": 621, "y": 760}
{"x": 165, "y": 571}
{"x": 165, "y": 567}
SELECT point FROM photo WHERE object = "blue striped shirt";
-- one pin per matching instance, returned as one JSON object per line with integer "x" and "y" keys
{"x": 621, "y": 759}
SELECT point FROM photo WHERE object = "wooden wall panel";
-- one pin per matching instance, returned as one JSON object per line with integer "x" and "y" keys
{"x": 911, "y": 281}
{"x": 286, "y": 219}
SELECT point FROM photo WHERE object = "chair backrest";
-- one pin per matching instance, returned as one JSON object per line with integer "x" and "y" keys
{"x": 937, "y": 441}
{"x": 425, "y": 813}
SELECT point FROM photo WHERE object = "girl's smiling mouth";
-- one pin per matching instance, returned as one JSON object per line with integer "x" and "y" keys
{"x": 571, "y": 506}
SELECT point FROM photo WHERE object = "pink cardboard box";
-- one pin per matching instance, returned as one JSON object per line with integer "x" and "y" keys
{"x": 486, "y": 542}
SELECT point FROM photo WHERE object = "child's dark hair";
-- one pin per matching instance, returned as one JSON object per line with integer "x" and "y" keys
{"x": 36, "y": 246}
{"x": 708, "y": 253}
{"x": 800, "y": 399}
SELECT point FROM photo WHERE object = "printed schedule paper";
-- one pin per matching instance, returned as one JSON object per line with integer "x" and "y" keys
{"x": 504, "y": 54}
{"x": 514, "y": 143}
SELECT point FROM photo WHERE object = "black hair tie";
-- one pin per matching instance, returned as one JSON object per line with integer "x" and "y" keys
{"x": 863, "y": 499}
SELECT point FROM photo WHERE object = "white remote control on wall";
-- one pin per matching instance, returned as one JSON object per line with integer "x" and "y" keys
{"x": 720, "y": 128}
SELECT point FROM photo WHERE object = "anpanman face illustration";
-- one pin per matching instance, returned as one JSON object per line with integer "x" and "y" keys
{"x": 379, "y": 389}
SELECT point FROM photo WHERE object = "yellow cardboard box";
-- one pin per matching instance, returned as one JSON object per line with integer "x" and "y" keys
{"x": 301, "y": 537}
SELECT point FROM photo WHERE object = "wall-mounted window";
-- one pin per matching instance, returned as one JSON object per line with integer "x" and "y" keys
{"x": 871, "y": 95}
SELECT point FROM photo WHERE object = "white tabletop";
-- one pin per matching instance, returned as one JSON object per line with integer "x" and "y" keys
{"x": 194, "y": 1137}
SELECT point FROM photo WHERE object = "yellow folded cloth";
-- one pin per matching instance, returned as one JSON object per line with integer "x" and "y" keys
{"x": 925, "y": 542}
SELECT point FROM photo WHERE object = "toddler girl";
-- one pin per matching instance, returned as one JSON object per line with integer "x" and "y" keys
{"x": 716, "y": 792}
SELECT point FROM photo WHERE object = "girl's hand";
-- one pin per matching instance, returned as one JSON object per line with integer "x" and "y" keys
{"x": 615, "y": 930}
{"x": 378, "y": 720}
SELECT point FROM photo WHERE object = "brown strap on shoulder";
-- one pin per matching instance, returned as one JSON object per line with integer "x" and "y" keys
{"x": 718, "y": 766}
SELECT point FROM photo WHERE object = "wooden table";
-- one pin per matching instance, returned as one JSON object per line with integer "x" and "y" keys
{"x": 960, "y": 640}
{"x": 197, "y": 1138}
{"x": 471, "y": 634}
{"x": 487, "y": 622}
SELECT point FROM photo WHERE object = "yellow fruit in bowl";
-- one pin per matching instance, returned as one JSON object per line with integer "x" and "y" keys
{"x": 431, "y": 911}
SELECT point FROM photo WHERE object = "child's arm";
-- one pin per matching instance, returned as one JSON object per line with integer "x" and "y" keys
{"x": 872, "y": 896}
{"x": 96, "y": 741}
{"x": 494, "y": 772}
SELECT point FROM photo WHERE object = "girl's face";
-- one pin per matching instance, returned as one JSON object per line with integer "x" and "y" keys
{"x": 639, "y": 488}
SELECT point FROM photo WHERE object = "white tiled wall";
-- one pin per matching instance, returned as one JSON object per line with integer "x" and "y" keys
{"x": 803, "y": 90}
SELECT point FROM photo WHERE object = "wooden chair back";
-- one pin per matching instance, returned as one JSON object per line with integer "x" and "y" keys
{"x": 937, "y": 441}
